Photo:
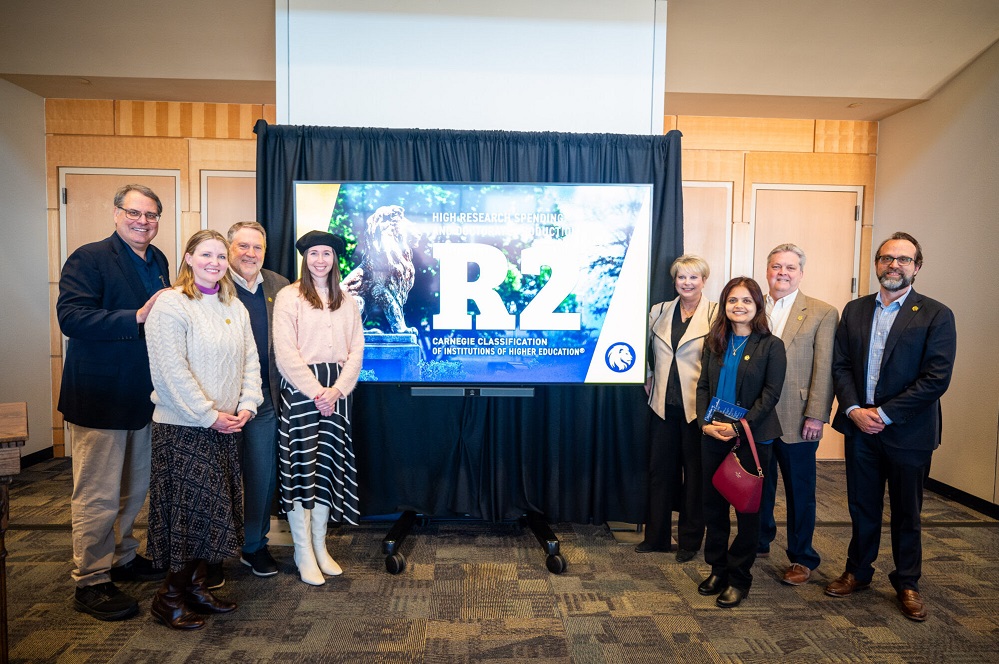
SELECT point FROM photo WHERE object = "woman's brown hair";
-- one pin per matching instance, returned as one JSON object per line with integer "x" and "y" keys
{"x": 721, "y": 326}
{"x": 307, "y": 285}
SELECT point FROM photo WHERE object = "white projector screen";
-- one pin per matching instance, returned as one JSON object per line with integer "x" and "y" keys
{"x": 519, "y": 65}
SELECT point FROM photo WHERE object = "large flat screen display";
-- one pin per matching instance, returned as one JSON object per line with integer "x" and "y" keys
{"x": 481, "y": 284}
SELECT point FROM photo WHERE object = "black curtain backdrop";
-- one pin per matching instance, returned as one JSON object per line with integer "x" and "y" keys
{"x": 575, "y": 453}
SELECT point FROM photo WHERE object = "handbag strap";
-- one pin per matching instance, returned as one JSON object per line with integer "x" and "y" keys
{"x": 752, "y": 444}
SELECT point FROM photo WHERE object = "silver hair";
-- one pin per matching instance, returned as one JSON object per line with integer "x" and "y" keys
{"x": 787, "y": 246}
{"x": 246, "y": 224}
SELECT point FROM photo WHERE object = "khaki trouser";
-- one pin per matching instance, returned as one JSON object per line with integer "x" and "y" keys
{"x": 110, "y": 483}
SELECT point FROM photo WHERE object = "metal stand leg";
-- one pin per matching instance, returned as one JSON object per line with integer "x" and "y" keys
{"x": 395, "y": 562}
{"x": 539, "y": 525}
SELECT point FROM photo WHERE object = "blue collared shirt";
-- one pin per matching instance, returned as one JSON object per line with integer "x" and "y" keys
{"x": 148, "y": 269}
{"x": 884, "y": 318}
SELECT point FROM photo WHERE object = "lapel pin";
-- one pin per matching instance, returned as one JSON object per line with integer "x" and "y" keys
{"x": 227, "y": 321}
{"x": 801, "y": 318}
{"x": 746, "y": 358}
{"x": 915, "y": 308}
{"x": 270, "y": 299}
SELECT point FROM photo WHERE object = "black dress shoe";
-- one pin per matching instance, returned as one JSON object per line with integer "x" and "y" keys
{"x": 683, "y": 555}
{"x": 645, "y": 547}
{"x": 712, "y": 585}
{"x": 137, "y": 569}
{"x": 731, "y": 597}
{"x": 105, "y": 602}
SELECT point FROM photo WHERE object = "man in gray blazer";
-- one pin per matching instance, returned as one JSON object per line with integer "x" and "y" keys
{"x": 257, "y": 289}
{"x": 807, "y": 327}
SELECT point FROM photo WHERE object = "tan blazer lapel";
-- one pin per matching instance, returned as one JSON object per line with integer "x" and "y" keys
{"x": 795, "y": 318}
{"x": 699, "y": 323}
{"x": 663, "y": 327}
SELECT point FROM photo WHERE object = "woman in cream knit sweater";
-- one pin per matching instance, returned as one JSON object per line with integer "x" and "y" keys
{"x": 206, "y": 386}
{"x": 319, "y": 345}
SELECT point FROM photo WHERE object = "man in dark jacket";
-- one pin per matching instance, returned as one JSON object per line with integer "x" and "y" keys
{"x": 257, "y": 288}
{"x": 892, "y": 361}
{"x": 106, "y": 290}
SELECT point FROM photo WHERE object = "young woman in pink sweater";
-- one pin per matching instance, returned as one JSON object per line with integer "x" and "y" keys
{"x": 319, "y": 346}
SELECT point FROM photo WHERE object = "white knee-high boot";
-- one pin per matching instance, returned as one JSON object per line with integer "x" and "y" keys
{"x": 305, "y": 558}
{"x": 320, "y": 519}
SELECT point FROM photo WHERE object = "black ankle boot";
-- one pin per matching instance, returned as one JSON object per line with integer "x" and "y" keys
{"x": 199, "y": 598}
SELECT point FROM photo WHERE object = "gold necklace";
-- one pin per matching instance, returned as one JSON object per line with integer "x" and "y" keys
{"x": 688, "y": 314}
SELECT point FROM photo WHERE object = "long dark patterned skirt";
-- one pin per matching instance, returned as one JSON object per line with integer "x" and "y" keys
{"x": 316, "y": 454}
{"x": 195, "y": 496}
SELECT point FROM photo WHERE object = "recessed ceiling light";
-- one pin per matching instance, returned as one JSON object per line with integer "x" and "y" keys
{"x": 853, "y": 105}
{"x": 85, "y": 81}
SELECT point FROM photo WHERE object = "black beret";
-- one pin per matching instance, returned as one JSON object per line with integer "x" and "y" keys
{"x": 319, "y": 238}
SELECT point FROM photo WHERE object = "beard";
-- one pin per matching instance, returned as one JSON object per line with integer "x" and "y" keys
{"x": 892, "y": 283}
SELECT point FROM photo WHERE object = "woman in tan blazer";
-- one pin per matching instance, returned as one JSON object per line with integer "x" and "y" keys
{"x": 676, "y": 339}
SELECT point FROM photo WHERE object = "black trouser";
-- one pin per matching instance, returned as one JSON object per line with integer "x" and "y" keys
{"x": 674, "y": 480}
{"x": 870, "y": 465}
{"x": 734, "y": 562}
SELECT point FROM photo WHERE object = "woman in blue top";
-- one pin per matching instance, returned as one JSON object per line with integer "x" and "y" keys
{"x": 743, "y": 364}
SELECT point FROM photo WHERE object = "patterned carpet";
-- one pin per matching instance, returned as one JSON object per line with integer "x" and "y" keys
{"x": 476, "y": 592}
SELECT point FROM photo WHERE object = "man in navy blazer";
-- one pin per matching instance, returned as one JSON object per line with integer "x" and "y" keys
{"x": 106, "y": 290}
{"x": 892, "y": 361}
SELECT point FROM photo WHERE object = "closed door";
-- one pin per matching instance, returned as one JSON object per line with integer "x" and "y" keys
{"x": 825, "y": 224}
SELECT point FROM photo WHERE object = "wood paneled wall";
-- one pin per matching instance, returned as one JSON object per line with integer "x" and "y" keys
{"x": 188, "y": 137}
{"x": 748, "y": 151}
{"x": 191, "y": 137}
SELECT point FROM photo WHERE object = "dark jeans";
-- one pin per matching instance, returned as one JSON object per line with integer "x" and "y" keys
{"x": 729, "y": 562}
{"x": 259, "y": 463}
{"x": 797, "y": 468}
{"x": 675, "y": 478}
{"x": 869, "y": 466}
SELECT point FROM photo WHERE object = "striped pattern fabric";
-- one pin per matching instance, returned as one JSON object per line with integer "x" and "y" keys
{"x": 316, "y": 453}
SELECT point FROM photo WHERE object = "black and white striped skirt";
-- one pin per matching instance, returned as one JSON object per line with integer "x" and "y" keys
{"x": 316, "y": 454}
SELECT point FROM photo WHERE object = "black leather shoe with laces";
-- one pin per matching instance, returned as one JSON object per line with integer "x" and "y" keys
{"x": 105, "y": 602}
{"x": 137, "y": 569}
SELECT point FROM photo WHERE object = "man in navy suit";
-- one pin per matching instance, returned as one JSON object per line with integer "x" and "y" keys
{"x": 106, "y": 290}
{"x": 892, "y": 361}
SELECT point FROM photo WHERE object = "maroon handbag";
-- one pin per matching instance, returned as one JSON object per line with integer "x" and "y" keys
{"x": 742, "y": 488}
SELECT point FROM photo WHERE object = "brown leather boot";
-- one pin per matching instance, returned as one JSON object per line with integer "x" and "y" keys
{"x": 168, "y": 604}
{"x": 199, "y": 598}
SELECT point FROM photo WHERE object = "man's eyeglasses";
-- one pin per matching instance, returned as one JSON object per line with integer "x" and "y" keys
{"x": 887, "y": 260}
{"x": 134, "y": 215}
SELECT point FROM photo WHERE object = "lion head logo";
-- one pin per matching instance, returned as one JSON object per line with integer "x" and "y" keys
{"x": 620, "y": 357}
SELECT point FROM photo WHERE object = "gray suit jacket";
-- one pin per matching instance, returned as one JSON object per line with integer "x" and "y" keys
{"x": 808, "y": 336}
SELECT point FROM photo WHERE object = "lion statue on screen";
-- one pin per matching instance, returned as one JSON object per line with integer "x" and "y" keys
{"x": 381, "y": 283}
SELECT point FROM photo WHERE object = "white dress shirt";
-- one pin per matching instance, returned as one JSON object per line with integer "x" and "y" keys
{"x": 777, "y": 311}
